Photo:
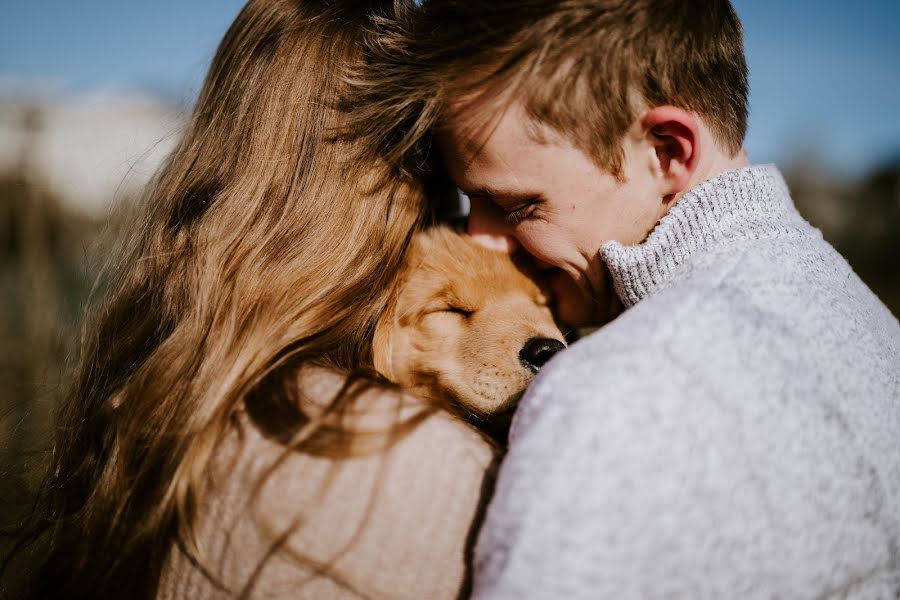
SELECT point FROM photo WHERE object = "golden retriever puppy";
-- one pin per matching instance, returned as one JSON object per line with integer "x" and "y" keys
{"x": 468, "y": 326}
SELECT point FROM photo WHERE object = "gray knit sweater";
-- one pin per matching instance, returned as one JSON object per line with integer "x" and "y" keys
{"x": 734, "y": 434}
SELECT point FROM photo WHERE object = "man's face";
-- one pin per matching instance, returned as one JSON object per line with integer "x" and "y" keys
{"x": 529, "y": 184}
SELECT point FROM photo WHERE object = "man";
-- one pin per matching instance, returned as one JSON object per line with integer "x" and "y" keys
{"x": 734, "y": 432}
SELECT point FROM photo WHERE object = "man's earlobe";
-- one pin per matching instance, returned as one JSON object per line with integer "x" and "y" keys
{"x": 675, "y": 135}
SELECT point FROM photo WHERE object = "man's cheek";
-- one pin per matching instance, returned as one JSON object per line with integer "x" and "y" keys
{"x": 544, "y": 251}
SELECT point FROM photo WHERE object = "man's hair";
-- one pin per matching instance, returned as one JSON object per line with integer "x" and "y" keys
{"x": 582, "y": 67}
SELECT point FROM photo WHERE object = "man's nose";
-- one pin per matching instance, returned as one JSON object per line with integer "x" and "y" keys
{"x": 488, "y": 227}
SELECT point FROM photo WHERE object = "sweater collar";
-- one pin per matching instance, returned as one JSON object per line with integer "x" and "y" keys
{"x": 748, "y": 203}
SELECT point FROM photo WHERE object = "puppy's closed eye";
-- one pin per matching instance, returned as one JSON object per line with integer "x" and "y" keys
{"x": 442, "y": 306}
{"x": 459, "y": 311}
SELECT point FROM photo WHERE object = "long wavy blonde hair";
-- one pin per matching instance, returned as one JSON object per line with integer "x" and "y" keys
{"x": 262, "y": 245}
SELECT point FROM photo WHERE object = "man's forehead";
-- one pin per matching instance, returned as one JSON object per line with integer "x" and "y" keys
{"x": 498, "y": 171}
{"x": 474, "y": 132}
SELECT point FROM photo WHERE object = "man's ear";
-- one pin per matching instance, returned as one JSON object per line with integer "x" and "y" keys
{"x": 675, "y": 134}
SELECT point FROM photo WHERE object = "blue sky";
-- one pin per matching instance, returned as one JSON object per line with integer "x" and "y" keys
{"x": 824, "y": 74}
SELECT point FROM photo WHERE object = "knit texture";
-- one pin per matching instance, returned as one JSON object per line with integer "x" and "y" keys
{"x": 392, "y": 525}
{"x": 735, "y": 433}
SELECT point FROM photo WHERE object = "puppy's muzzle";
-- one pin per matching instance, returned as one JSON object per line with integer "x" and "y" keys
{"x": 537, "y": 351}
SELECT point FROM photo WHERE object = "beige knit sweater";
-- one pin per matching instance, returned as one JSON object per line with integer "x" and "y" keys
{"x": 393, "y": 525}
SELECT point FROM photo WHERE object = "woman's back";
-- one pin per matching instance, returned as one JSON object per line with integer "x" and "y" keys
{"x": 386, "y": 525}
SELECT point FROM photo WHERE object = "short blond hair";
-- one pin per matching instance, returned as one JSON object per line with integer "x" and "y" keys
{"x": 575, "y": 65}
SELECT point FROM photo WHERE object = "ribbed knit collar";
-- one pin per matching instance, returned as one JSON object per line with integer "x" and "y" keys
{"x": 747, "y": 203}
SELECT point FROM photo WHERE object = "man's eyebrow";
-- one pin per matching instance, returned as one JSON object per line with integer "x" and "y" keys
{"x": 489, "y": 193}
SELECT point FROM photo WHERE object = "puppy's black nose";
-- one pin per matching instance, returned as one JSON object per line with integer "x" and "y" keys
{"x": 538, "y": 351}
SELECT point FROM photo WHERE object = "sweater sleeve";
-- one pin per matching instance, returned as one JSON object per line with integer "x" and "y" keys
{"x": 392, "y": 525}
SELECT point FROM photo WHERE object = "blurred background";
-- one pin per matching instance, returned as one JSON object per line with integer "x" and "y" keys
{"x": 93, "y": 95}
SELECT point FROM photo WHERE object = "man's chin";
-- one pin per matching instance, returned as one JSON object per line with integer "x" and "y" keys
{"x": 572, "y": 305}
{"x": 499, "y": 243}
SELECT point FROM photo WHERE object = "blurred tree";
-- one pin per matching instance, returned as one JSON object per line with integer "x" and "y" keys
{"x": 44, "y": 280}
{"x": 860, "y": 218}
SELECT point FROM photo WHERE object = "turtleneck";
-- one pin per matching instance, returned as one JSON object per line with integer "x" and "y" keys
{"x": 741, "y": 204}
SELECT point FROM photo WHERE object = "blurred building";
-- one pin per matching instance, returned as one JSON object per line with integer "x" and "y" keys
{"x": 86, "y": 149}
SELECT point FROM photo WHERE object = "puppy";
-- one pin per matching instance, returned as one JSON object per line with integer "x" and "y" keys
{"x": 468, "y": 326}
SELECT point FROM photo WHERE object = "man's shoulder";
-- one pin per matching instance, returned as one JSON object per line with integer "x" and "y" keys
{"x": 622, "y": 367}
{"x": 746, "y": 312}
{"x": 636, "y": 344}
{"x": 724, "y": 340}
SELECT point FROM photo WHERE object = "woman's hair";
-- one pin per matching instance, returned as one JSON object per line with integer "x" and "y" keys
{"x": 264, "y": 243}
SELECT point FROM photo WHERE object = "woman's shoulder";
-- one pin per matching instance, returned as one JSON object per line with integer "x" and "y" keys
{"x": 380, "y": 408}
{"x": 396, "y": 522}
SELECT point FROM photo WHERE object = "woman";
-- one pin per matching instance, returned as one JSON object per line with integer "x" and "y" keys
{"x": 224, "y": 436}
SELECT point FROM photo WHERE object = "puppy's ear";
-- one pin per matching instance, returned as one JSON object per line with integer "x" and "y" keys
{"x": 383, "y": 343}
